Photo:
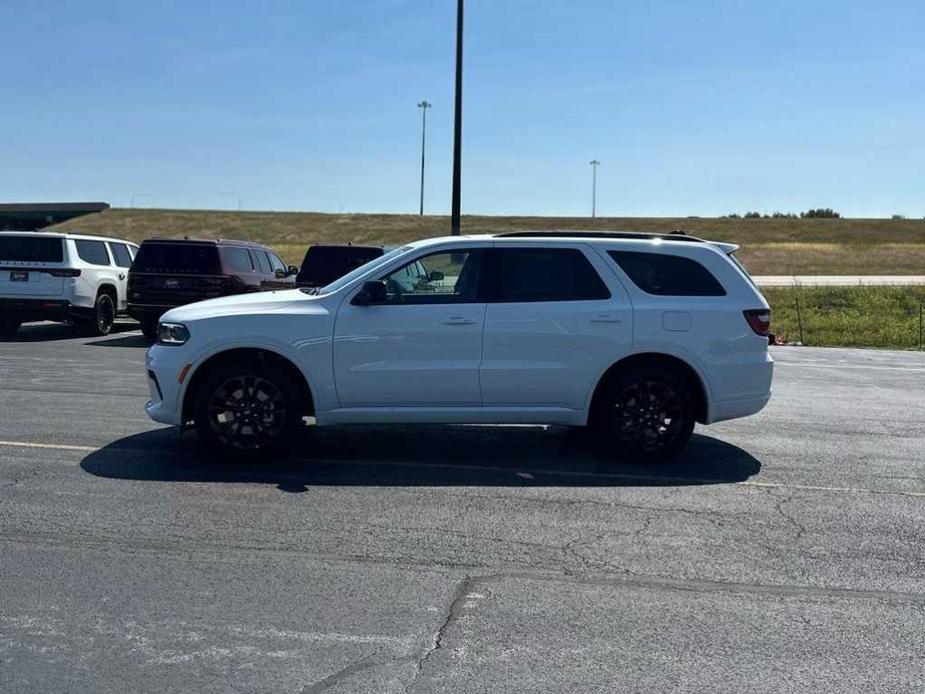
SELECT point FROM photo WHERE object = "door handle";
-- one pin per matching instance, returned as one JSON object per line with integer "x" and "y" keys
{"x": 458, "y": 320}
{"x": 606, "y": 318}
{"x": 121, "y": 276}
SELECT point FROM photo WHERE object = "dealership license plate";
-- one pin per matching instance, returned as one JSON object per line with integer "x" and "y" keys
{"x": 19, "y": 277}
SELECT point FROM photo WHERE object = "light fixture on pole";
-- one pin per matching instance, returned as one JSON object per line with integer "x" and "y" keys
{"x": 594, "y": 164}
{"x": 234, "y": 195}
{"x": 457, "y": 129}
{"x": 424, "y": 105}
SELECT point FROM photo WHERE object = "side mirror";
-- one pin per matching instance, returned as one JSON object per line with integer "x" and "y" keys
{"x": 435, "y": 276}
{"x": 293, "y": 271}
{"x": 373, "y": 292}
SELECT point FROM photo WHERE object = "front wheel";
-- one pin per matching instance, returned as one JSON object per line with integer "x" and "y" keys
{"x": 646, "y": 415}
{"x": 247, "y": 406}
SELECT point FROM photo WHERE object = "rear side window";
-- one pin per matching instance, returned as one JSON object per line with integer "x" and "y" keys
{"x": 93, "y": 252}
{"x": 262, "y": 262}
{"x": 177, "y": 258}
{"x": 121, "y": 254}
{"x": 542, "y": 274}
{"x": 236, "y": 259}
{"x": 667, "y": 275}
{"x": 31, "y": 249}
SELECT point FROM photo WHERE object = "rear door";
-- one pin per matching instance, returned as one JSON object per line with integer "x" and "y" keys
{"x": 32, "y": 265}
{"x": 553, "y": 324}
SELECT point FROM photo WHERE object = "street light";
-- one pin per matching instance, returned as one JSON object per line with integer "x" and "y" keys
{"x": 457, "y": 130}
{"x": 234, "y": 195}
{"x": 594, "y": 164}
{"x": 423, "y": 106}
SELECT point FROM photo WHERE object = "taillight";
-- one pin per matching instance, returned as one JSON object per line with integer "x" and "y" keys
{"x": 759, "y": 319}
{"x": 63, "y": 273}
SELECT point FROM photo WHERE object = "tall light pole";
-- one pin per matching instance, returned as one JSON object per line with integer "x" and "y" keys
{"x": 423, "y": 106}
{"x": 457, "y": 129}
{"x": 594, "y": 164}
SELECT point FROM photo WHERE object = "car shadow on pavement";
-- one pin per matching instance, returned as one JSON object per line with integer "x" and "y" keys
{"x": 47, "y": 332}
{"x": 133, "y": 340}
{"x": 497, "y": 456}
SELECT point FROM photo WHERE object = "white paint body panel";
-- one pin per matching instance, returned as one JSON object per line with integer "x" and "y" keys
{"x": 481, "y": 363}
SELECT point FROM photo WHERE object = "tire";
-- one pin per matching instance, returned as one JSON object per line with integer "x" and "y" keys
{"x": 645, "y": 415}
{"x": 149, "y": 326}
{"x": 9, "y": 326}
{"x": 104, "y": 315}
{"x": 247, "y": 407}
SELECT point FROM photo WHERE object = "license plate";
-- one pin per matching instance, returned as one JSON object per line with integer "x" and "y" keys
{"x": 19, "y": 277}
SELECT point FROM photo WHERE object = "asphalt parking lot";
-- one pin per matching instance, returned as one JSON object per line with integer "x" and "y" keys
{"x": 783, "y": 553}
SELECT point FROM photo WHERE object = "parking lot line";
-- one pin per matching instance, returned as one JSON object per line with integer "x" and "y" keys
{"x": 52, "y": 446}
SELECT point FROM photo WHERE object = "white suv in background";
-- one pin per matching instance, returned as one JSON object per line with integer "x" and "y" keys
{"x": 639, "y": 336}
{"x": 62, "y": 277}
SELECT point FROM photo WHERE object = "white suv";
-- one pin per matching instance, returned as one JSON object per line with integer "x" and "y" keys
{"x": 637, "y": 335}
{"x": 62, "y": 277}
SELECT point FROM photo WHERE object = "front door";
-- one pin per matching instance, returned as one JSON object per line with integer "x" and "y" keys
{"x": 423, "y": 347}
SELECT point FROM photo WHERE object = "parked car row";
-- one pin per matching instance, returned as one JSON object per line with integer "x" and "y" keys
{"x": 89, "y": 281}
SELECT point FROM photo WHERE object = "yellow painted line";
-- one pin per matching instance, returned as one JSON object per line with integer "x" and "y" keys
{"x": 531, "y": 473}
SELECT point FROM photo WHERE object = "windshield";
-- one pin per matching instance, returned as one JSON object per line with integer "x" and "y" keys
{"x": 359, "y": 272}
{"x": 325, "y": 264}
{"x": 738, "y": 264}
{"x": 177, "y": 258}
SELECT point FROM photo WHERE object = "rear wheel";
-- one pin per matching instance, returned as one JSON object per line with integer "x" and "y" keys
{"x": 646, "y": 415}
{"x": 149, "y": 327}
{"x": 102, "y": 319}
{"x": 9, "y": 326}
{"x": 247, "y": 406}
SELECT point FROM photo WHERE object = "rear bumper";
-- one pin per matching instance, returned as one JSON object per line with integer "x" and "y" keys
{"x": 37, "y": 308}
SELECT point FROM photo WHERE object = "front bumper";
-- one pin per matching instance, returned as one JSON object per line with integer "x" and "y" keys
{"x": 163, "y": 365}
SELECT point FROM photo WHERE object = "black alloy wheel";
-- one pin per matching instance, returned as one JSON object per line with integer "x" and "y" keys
{"x": 247, "y": 407}
{"x": 647, "y": 416}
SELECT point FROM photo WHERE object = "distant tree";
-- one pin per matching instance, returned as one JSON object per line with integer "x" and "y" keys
{"x": 821, "y": 213}
{"x": 898, "y": 216}
{"x": 736, "y": 216}
{"x": 752, "y": 215}
{"x": 783, "y": 215}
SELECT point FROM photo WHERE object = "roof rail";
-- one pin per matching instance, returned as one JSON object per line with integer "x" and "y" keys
{"x": 672, "y": 236}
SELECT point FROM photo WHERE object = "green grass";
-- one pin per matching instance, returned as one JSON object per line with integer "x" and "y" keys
{"x": 882, "y": 317}
{"x": 769, "y": 246}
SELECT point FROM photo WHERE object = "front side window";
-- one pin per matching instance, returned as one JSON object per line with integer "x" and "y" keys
{"x": 667, "y": 275}
{"x": 236, "y": 259}
{"x": 120, "y": 253}
{"x": 92, "y": 252}
{"x": 276, "y": 263}
{"x": 542, "y": 274}
{"x": 440, "y": 278}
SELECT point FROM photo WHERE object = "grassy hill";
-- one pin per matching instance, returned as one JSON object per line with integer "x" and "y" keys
{"x": 769, "y": 246}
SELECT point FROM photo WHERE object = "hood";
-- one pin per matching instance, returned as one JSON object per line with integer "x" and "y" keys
{"x": 238, "y": 304}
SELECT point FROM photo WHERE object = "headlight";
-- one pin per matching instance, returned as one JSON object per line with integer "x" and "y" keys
{"x": 172, "y": 334}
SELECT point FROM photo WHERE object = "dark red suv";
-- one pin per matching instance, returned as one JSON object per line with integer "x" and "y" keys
{"x": 171, "y": 272}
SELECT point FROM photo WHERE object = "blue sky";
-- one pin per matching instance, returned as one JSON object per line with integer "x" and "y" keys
{"x": 693, "y": 108}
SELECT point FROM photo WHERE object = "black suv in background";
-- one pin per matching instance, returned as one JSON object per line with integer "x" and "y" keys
{"x": 324, "y": 264}
{"x": 173, "y": 272}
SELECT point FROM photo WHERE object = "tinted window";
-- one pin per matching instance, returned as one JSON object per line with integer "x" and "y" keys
{"x": 237, "y": 259}
{"x": 542, "y": 274}
{"x": 121, "y": 254}
{"x": 324, "y": 264}
{"x": 667, "y": 275}
{"x": 31, "y": 249}
{"x": 439, "y": 278}
{"x": 263, "y": 262}
{"x": 93, "y": 252}
{"x": 177, "y": 258}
